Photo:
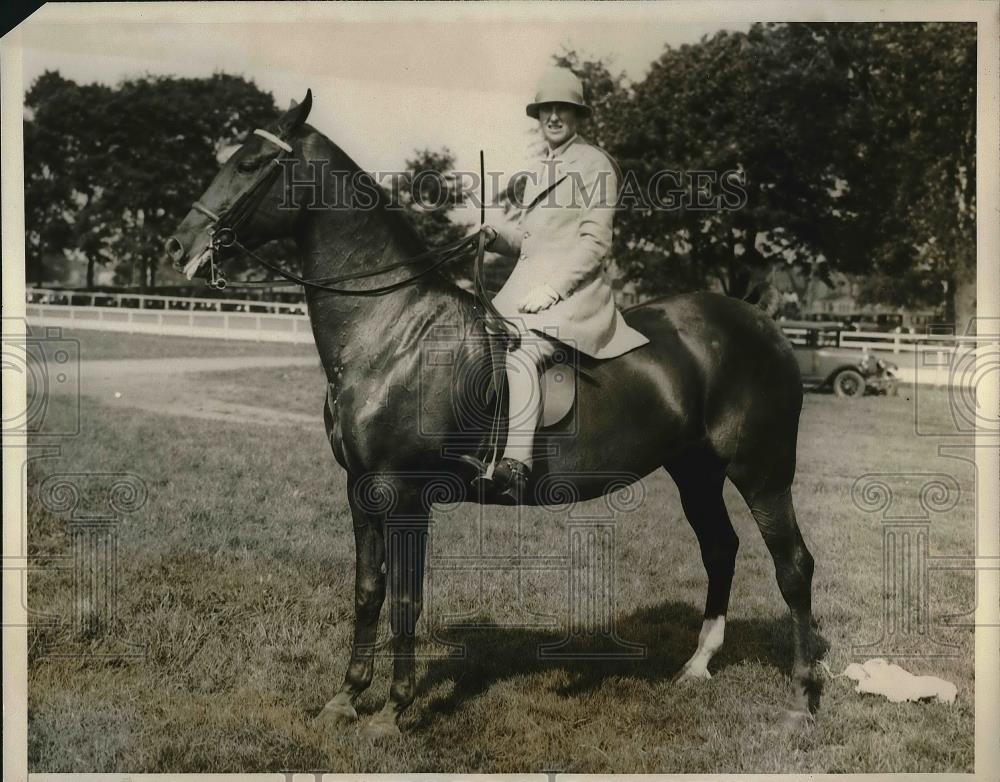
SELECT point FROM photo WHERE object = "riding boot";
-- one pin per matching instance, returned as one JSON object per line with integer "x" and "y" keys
{"x": 511, "y": 479}
{"x": 505, "y": 485}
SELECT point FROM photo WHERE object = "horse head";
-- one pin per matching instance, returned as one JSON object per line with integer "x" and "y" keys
{"x": 246, "y": 202}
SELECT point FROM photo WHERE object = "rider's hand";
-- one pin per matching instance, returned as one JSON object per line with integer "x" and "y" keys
{"x": 490, "y": 232}
{"x": 539, "y": 298}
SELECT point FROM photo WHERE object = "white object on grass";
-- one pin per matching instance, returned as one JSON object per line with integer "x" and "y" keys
{"x": 118, "y": 394}
{"x": 880, "y": 677}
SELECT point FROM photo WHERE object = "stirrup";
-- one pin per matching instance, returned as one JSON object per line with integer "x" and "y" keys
{"x": 483, "y": 482}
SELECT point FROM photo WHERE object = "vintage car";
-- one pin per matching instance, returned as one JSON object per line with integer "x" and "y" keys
{"x": 848, "y": 372}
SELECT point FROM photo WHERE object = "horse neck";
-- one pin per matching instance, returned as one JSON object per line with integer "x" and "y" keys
{"x": 334, "y": 242}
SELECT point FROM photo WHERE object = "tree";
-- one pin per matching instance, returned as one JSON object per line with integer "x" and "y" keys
{"x": 914, "y": 168}
{"x": 429, "y": 192}
{"x": 756, "y": 113}
{"x": 110, "y": 170}
{"x": 854, "y": 144}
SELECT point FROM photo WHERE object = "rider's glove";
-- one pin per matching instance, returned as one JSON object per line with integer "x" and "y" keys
{"x": 539, "y": 298}
{"x": 490, "y": 232}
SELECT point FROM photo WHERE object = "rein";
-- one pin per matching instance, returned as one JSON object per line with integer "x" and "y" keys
{"x": 448, "y": 254}
{"x": 223, "y": 235}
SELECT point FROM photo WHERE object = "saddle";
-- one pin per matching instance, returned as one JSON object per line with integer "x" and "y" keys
{"x": 558, "y": 383}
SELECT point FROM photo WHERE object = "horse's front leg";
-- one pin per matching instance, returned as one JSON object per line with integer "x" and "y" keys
{"x": 369, "y": 594}
{"x": 406, "y": 551}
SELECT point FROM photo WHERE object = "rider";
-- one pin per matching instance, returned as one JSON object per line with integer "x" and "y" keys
{"x": 557, "y": 286}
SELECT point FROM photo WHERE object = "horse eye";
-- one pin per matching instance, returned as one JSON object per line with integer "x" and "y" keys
{"x": 248, "y": 165}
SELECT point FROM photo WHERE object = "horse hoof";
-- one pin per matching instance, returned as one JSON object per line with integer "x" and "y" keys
{"x": 794, "y": 719}
{"x": 380, "y": 730}
{"x": 334, "y": 715}
{"x": 692, "y": 674}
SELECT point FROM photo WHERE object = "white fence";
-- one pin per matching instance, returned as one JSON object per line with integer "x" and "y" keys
{"x": 899, "y": 343}
{"x": 239, "y": 319}
{"x": 923, "y": 359}
{"x": 149, "y": 301}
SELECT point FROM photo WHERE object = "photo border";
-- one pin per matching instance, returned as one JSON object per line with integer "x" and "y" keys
{"x": 987, "y": 634}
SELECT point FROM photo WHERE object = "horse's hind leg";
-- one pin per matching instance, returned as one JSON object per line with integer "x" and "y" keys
{"x": 793, "y": 566}
{"x": 700, "y": 477}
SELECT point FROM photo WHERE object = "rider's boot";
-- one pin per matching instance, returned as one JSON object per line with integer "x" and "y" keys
{"x": 510, "y": 477}
{"x": 506, "y": 484}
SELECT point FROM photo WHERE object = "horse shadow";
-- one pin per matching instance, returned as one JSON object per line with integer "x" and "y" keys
{"x": 665, "y": 636}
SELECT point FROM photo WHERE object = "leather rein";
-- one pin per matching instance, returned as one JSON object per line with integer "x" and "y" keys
{"x": 223, "y": 235}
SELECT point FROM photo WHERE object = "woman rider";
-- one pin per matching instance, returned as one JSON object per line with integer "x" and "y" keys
{"x": 558, "y": 285}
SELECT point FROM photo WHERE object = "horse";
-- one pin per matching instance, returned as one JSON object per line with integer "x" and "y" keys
{"x": 716, "y": 393}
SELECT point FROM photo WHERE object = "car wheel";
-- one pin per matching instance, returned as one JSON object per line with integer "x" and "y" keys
{"x": 848, "y": 383}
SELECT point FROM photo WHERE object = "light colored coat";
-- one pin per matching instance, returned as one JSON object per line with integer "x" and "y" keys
{"x": 562, "y": 239}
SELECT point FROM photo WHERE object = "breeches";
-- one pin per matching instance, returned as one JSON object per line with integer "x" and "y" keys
{"x": 524, "y": 367}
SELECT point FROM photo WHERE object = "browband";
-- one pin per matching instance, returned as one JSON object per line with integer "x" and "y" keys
{"x": 273, "y": 139}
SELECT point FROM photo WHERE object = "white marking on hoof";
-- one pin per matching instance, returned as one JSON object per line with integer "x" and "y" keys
{"x": 691, "y": 672}
{"x": 713, "y": 631}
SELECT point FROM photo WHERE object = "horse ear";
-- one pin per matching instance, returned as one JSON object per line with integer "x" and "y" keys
{"x": 297, "y": 113}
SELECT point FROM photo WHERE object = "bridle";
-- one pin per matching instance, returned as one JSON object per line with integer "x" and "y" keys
{"x": 224, "y": 229}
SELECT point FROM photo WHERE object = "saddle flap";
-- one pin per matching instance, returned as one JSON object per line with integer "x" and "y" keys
{"x": 558, "y": 393}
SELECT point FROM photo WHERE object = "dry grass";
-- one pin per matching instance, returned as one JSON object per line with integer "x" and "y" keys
{"x": 235, "y": 600}
{"x": 112, "y": 344}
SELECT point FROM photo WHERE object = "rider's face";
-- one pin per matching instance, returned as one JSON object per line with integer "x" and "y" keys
{"x": 558, "y": 122}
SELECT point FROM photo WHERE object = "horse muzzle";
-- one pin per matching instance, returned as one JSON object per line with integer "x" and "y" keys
{"x": 175, "y": 251}
{"x": 191, "y": 262}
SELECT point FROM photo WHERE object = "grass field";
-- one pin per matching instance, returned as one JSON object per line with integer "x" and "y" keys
{"x": 235, "y": 609}
{"x": 111, "y": 344}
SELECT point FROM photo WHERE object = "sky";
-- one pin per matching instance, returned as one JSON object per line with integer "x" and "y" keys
{"x": 386, "y": 79}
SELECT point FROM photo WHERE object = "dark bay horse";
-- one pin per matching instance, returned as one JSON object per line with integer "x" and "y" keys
{"x": 715, "y": 394}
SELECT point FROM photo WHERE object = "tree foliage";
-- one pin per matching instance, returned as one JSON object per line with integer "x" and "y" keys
{"x": 852, "y": 145}
{"x": 855, "y": 145}
{"x": 108, "y": 170}
{"x": 429, "y": 192}
{"x": 916, "y": 163}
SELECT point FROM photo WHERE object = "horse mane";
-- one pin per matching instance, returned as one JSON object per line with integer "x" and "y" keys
{"x": 396, "y": 219}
